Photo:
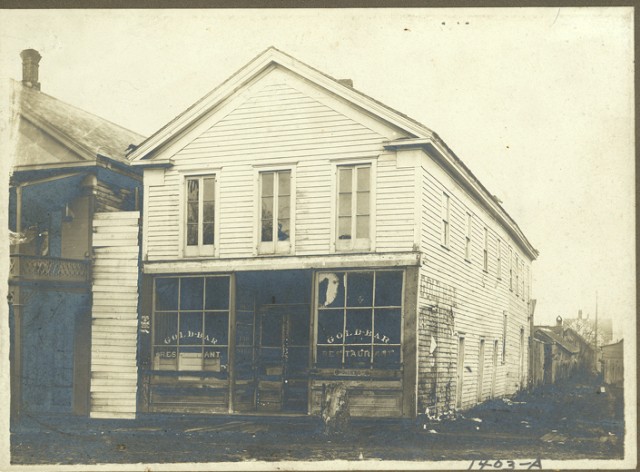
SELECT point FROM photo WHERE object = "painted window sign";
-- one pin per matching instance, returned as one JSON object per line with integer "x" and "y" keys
{"x": 191, "y": 323}
{"x": 359, "y": 319}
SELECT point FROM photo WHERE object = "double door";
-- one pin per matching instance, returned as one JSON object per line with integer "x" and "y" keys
{"x": 282, "y": 359}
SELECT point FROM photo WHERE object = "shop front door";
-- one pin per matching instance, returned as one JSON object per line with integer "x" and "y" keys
{"x": 282, "y": 358}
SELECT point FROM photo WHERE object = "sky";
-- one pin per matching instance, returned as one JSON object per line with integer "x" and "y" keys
{"x": 537, "y": 102}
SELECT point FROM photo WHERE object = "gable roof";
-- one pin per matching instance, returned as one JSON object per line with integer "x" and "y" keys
{"x": 419, "y": 135}
{"x": 88, "y": 135}
{"x": 550, "y": 335}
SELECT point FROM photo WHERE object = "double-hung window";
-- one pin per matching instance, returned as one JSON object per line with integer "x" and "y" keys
{"x": 467, "y": 247}
{"x": 444, "y": 233}
{"x": 200, "y": 215}
{"x": 353, "y": 230}
{"x": 275, "y": 212}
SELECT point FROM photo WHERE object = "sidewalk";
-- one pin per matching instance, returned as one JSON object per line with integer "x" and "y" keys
{"x": 570, "y": 421}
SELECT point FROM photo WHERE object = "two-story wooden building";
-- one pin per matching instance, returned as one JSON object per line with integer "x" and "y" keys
{"x": 298, "y": 233}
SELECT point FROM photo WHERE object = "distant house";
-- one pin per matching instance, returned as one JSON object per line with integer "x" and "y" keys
{"x": 69, "y": 165}
{"x": 560, "y": 353}
{"x": 613, "y": 363}
{"x": 297, "y": 234}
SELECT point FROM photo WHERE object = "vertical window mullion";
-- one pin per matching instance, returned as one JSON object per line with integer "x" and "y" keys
{"x": 354, "y": 205}
{"x": 276, "y": 203}
{"x": 344, "y": 316}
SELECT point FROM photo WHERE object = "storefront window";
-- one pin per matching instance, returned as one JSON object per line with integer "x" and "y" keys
{"x": 359, "y": 319}
{"x": 191, "y": 323}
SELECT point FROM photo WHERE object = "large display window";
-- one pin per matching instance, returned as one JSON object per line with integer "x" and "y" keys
{"x": 359, "y": 322}
{"x": 191, "y": 324}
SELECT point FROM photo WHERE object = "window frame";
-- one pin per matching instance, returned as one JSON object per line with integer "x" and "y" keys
{"x": 274, "y": 247}
{"x": 178, "y": 311}
{"x": 354, "y": 244}
{"x": 510, "y": 269}
{"x": 345, "y": 308}
{"x": 445, "y": 214}
{"x": 200, "y": 250}
{"x": 468, "y": 238}
{"x": 485, "y": 253}
{"x": 499, "y": 258}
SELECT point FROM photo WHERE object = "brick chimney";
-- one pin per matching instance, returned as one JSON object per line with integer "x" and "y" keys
{"x": 30, "y": 60}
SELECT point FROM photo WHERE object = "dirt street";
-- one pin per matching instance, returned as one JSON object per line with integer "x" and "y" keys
{"x": 571, "y": 421}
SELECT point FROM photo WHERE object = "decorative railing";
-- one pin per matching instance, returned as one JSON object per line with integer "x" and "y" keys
{"x": 49, "y": 269}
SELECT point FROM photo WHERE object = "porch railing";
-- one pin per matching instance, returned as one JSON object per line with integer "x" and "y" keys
{"x": 49, "y": 269}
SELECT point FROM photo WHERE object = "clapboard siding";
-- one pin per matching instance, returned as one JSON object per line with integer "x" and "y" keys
{"x": 114, "y": 315}
{"x": 481, "y": 297}
{"x": 284, "y": 123}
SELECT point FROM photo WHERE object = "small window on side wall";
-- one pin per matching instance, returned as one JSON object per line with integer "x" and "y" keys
{"x": 200, "y": 215}
{"x": 353, "y": 229}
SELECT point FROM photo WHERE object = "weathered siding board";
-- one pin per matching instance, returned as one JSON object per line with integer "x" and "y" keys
{"x": 481, "y": 297}
{"x": 282, "y": 123}
{"x": 114, "y": 315}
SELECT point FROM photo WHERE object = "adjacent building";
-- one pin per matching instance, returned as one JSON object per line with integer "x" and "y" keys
{"x": 69, "y": 166}
{"x": 297, "y": 233}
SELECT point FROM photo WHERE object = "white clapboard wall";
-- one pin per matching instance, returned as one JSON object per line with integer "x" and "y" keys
{"x": 114, "y": 315}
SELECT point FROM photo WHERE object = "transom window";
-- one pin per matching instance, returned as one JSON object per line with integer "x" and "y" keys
{"x": 191, "y": 323}
{"x": 359, "y": 319}
{"x": 275, "y": 211}
{"x": 200, "y": 215}
{"x": 354, "y": 207}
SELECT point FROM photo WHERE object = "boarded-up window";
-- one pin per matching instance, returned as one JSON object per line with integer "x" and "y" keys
{"x": 359, "y": 319}
{"x": 191, "y": 324}
{"x": 354, "y": 207}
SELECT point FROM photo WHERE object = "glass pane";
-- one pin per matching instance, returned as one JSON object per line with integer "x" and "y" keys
{"x": 192, "y": 235}
{"x": 215, "y": 359}
{"x": 360, "y": 289}
{"x": 389, "y": 288}
{"x": 217, "y": 295}
{"x": 209, "y": 189}
{"x": 284, "y": 183}
{"x": 344, "y": 204}
{"x": 167, "y": 294}
{"x": 267, "y": 207}
{"x": 267, "y": 230}
{"x": 364, "y": 179}
{"x": 192, "y": 212}
{"x": 207, "y": 234}
{"x": 165, "y": 329}
{"x": 362, "y": 226}
{"x": 329, "y": 356}
{"x": 358, "y": 327}
{"x": 283, "y": 207}
{"x": 330, "y": 326}
{"x": 192, "y": 189}
{"x": 363, "y": 203}
{"x": 331, "y": 289}
{"x": 208, "y": 212}
{"x": 165, "y": 358}
{"x": 283, "y": 229}
{"x": 191, "y": 329}
{"x": 191, "y": 293}
{"x": 357, "y": 356}
{"x": 387, "y": 326}
{"x": 267, "y": 184}
{"x": 271, "y": 335}
{"x": 216, "y": 329}
{"x": 344, "y": 179}
{"x": 344, "y": 227}
{"x": 386, "y": 356}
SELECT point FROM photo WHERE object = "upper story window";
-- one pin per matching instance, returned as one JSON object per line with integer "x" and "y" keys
{"x": 485, "y": 252}
{"x": 510, "y": 269}
{"x": 444, "y": 234}
{"x": 200, "y": 215}
{"x": 517, "y": 276}
{"x": 275, "y": 212}
{"x": 499, "y": 259}
{"x": 354, "y": 207}
{"x": 467, "y": 247}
